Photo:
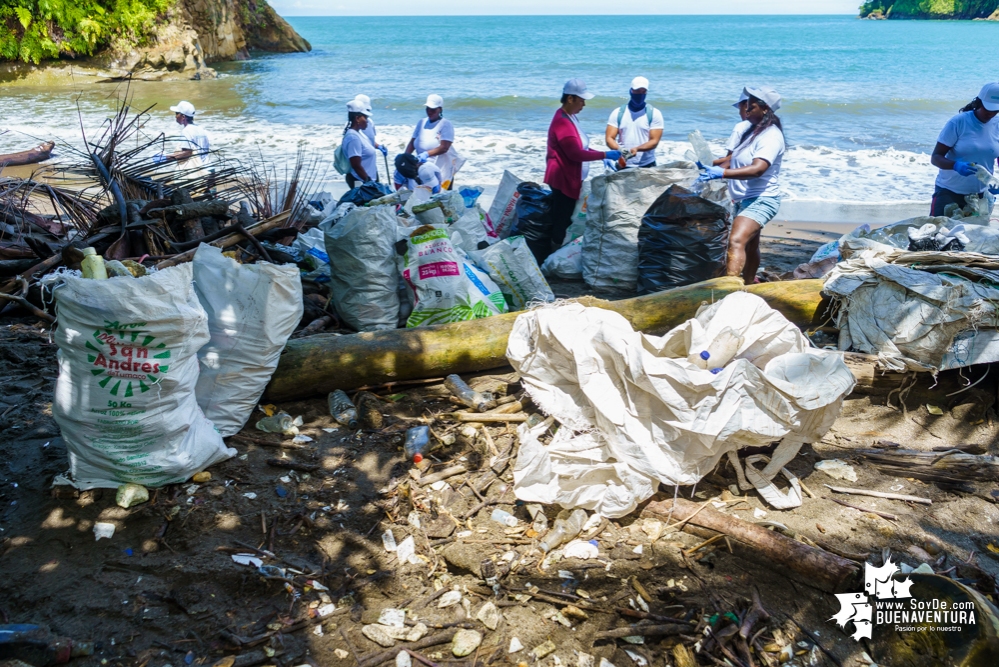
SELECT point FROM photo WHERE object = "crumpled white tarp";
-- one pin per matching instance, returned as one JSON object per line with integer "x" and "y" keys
{"x": 927, "y": 319}
{"x": 634, "y": 412}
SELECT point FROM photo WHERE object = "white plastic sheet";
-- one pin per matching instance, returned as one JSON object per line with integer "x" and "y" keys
{"x": 128, "y": 365}
{"x": 634, "y": 412}
{"x": 252, "y": 311}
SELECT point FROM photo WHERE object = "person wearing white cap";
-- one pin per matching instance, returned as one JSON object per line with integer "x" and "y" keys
{"x": 370, "y": 129}
{"x": 968, "y": 140}
{"x": 737, "y": 131}
{"x": 433, "y": 138}
{"x": 566, "y": 165}
{"x": 411, "y": 173}
{"x": 637, "y": 126}
{"x": 356, "y": 146}
{"x": 197, "y": 143}
{"x": 752, "y": 171}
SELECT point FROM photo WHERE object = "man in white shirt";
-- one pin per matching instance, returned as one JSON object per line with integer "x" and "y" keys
{"x": 637, "y": 126}
{"x": 195, "y": 154}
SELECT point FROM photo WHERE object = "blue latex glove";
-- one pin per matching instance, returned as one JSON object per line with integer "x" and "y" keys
{"x": 965, "y": 168}
{"x": 610, "y": 165}
{"x": 423, "y": 156}
{"x": 711, "y": 173}
{"x": 612, "y": 155}
{"x": 994, "y": 189}
{"x": 383, "y": 150}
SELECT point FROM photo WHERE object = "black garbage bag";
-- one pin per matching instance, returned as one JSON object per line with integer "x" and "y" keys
{"x": 683, "y": 239}
{"x": 362, "y": 194}
{"x": 534, "y": 220}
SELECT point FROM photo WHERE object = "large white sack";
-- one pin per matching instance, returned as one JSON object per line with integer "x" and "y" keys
{"x": 364, "y": 277}
{"x": 634, "y": 412}
{"x": 252, "y": 310}
{"x": 443, "y": 286}
{"x": 614, "y": 211}
{"x": 472, "y": 231}
{"x": 566, "y": 262}
{"x": 128, "y": 365}
{"x": 511, "y": 264}
{"x": 503, "y": 210}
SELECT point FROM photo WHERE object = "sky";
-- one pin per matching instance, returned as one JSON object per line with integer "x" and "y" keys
{"x": 519, "y": 7}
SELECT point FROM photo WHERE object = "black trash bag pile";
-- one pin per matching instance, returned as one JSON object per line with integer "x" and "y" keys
{"x": 362, "y": 194}
{"x": 534, "y": 220}
{"x": 683, "y": 240}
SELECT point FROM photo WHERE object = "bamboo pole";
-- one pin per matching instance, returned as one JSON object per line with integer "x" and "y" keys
{"x": 324, "y": 362}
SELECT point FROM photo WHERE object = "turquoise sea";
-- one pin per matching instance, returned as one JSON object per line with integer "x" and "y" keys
{"x": 864, "y": 100}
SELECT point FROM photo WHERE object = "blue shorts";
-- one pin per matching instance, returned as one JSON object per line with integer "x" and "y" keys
{"x": 760, "y": 209}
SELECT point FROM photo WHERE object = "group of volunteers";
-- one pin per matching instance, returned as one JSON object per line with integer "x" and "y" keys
{"x": 965, "y": 154}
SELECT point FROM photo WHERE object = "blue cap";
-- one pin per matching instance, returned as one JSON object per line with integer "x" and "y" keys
{"x": 705, "y": 355}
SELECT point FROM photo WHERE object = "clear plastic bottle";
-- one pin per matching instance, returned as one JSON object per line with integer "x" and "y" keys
{"x": 701, "y": 148}
{"x": 504, "y": 517}
{"x": 567, "y": 526}
{"x": 719, "y": 352}
{"x": 417, "y": 443}
{"x": 341, "y": 409}
{"x": 460, "y": 390}
{"x": 93, "y": 265}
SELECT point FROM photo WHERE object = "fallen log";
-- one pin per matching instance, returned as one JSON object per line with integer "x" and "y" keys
{"x": 953, "y": 466}
{"x": 35, "y": 155}
{"x": 181, "y": 212}
{"x": 816, "y": 567}
{"x": 321, "y": 363}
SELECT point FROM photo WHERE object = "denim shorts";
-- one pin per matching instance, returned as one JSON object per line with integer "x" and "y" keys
{"x": 760, "y": 209}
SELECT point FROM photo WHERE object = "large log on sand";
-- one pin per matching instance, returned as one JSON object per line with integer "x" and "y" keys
{"x": 324, "y": 362}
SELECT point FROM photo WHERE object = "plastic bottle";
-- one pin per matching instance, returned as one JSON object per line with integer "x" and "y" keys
{"x": 719, "y": 352}
{"x": 701, "y": 148}
{"x": 93, "y": 265}
{"x": 417, "y": 442}
{"x": 566, "y": 527}
{"x": 35, "y": 645}
{"x": 466, "y": 394}
{"x": 504, "y": 517}
{"x": 342, "y": 410}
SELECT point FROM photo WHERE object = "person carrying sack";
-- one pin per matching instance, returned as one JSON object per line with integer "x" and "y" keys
{"x": 636, "y": 126}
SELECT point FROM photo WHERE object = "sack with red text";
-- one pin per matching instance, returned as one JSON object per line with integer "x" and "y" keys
{"x": 128, "y": 365}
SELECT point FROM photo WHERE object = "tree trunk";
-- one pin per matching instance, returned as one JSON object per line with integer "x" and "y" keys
{"x": 321, "y": 363}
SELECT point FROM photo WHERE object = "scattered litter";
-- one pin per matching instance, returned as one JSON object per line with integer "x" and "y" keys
{"x": 395, "y": 618}
{"x": 318, "y": 631}
{"x": 282, "y": 423}
{"x": 414, "y": 519}
{"x": 933, "y": 409}
{"x": 758, "y": 513}
{"x": 388, "y": 541}
{"x": 406, "y": 550}
{"x": 639, "y": 660}
{"x": 580, "y": 549}
{"x": 301, "y": 437}
{"x": 449, "y": 599}
{"x": 102, "y": 529}
{"x": 639, "y": 549}
{"x": 464, "y": 642}
{"x": 489, "y": 615}
{"x": 402, "y": 659}
{"x": 247, "y": 559}
{"x": 130, "y": 495}
{"x": 542, "y": 650}
{"x": 250, "y": 494}
{"x": 341, "y": 653}
{"x": 325, "y": 610}
{"x": 201, "y": 477}
{"x": 837, "y": 469}
{"x": 515, "y": 645}
{"x": 504, "y": 517}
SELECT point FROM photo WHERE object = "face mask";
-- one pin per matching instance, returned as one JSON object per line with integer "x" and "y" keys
{"x": 637, "y": 102}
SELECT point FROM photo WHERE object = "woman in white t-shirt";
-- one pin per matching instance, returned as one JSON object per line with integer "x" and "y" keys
{"x": 752, "y": 170}
{"x": 968, "y": 140}
{"x": 433, "y": 138}
{"x": 357, "y": 147}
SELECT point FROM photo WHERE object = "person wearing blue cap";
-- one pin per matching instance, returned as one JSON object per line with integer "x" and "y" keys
{"x": 752, "y": 171}
{"x": 969, "y": 139}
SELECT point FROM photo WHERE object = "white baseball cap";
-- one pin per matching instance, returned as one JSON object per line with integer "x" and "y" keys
{"x": 366, "y": 101}
{"x": 765, "y": 94}
{"x": 183, "y": 107}
{"x": 434, "y": 101}
{"x": 428, "y": 175}
{"x": 357, "y": 106}
{"x": 577, "y": 87}
{"x": 990, "y": 96}
{"x": 742, "y": 98}
{"x": 639, "y": 82}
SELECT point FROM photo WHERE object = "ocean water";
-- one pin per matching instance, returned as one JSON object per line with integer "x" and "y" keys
{"x": 863, "y": 100}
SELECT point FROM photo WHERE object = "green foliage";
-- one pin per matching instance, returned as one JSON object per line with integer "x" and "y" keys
{"x": 33, "y": 30}
{"x": 930, "y": 9}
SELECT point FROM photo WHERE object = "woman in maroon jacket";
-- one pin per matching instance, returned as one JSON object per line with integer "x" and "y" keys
{"x": 566, "y": 159}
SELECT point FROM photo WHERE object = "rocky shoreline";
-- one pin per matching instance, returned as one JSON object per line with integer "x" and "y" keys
{"x": 960, "y": 10}
{"x": 192, "y": 35}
